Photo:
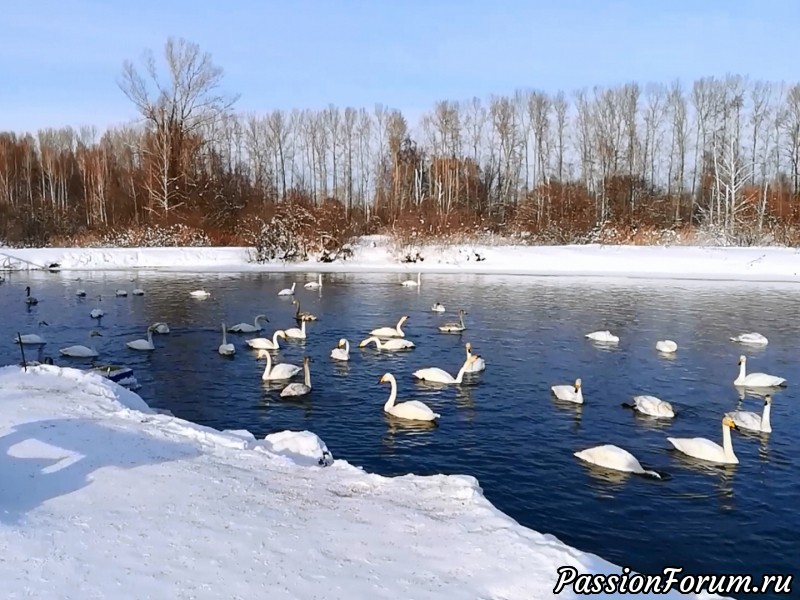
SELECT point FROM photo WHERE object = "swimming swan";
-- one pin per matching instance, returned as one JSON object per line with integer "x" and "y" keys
{"x": 412, "y": 410}
{"x": 651, "y": 406}
{"x": 437, "y": 375}
{"x": 30, "y": 300}
{"x": 342, "y": 350}
{"x": 121, "y": 293}
{"x": 261, "y": 343}
{"x": 226, "y": 349}
{"x": 705, "y": 449}
{"x": 314, "y": 285}
{"x": 756, "y": 379}
{"x": 437, "y": 307}
{"x": 143, "y": 344}
{"x": 31, "y": 338}
{"x": 455, "y": 327}
{"x": 478, "y": 365}
{"x": 160, "y": 327}
{"x": 79, "y": 351}
{"x": 299, "y": 389}
{"x": 411, "y": 282}
{"x": 745, "y": 419}
{"x": 288, "y": 291}
{"x": 391, "y": 344}
{"x": 391, "y": 332}
{"x": 569, "y": 393}
{"x": 755, "y": 339}
{"x": 615, "y": 458}
{"x": 276, "y": 372}
{"x": 247, "y": 327}
{"x": 295, "y": 333}
{"x": 304, "y": 315}
{"x": 199, "y": 294}
{"x": 603, "y": 336}
{"x": 137, "y": 292}
{"x": 666, "y": 346}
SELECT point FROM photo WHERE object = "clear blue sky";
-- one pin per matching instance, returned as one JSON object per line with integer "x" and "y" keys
{"x": 60, "y": 59}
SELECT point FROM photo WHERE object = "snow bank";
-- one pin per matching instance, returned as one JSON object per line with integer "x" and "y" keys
{"x": 100, "y": 494}
{"x": 378, "y": 254}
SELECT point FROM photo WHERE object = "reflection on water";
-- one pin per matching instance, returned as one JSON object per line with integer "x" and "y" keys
{"x": 503, "y": 426}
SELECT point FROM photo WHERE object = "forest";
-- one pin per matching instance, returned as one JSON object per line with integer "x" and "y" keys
{"x": 631, "y": 163}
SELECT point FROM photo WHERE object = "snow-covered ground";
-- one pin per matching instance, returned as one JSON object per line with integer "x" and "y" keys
{"x": 378, "y": 254}
{"x": 101, "y": 497}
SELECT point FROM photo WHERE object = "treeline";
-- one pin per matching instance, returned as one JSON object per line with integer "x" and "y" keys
{"x": 721, "y": 153}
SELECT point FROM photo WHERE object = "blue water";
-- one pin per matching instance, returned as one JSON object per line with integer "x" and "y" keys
{"x": 502, "y": 426}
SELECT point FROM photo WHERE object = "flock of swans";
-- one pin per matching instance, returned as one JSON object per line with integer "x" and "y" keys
{"x": 393, "y": 339}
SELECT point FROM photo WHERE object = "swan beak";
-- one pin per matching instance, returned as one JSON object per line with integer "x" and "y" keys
{"x": 380, "y": 379}
{"x": 729, "y": 422}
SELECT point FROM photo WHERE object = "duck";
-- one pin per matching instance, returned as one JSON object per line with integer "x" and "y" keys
{"x": 437, "y": 375}
{"x": 295, "y": 333}
{"x": 454, "y": 327}
{"x": 752, "y": 338}
{"x": 569, "y": 393}
{"x": 199, "y": 294}
{"x": 412, "y": 410}
{"x": 314, "y": 285}
{"x": 666, "y": 346}
{"x": 705, "y": 449}
{"x": 391, "y": 332}
{"x": 160, "y": 327}
{"x": 278, "y": 371}
{"x": 756, "y": 379}
{"x": 437, "y": 307}
{"x": 746, "y": 419}
{"x": 261, "y": 343}
{"x": 478, "y": 365}
{"x": 603, "y": 336}
{"x": 342, "y": 350}
{"x": 30, "y": 300}
{"x": 300, "y": 389}
{"x": 288, "y": 291}
{"x": 79, "y": 351}
{"x": 226, "y": 349}
{"x": 302, "y": 315}
{"x": 390, "y": 344}
{"x": 247, "y": 327}
{"x": 613, "y": 457}
{"x": 411, "y": 282}
{"x": 141, "y": 344}
{"x": 651, "y": 406}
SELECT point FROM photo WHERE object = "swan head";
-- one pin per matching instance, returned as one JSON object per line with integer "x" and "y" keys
{"x": 341, "y": 343}
{"x": 742, "y": 359}
{"x": 386, "y": 378}
{"x": 768, "y": 399}
{"x": 728, "y": 422}
{"x": 404, "y": 318}
{"x": 307, "y": 360}
{"x": 578, "y": 384}
{"x": 363, "y": 343}
{"x": 262, "y": 353}
{"x": 262, "y": 318}
{"x": 281, "y": 333}
{"x": 468, "y": 346}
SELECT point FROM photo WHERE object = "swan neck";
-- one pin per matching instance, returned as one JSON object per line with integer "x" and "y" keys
{"x": 224, "y": 335}
{"x": 275, "y": 339}
{"x": 727, "y": 444}
{"x": 268, "y": 368}
{"x": 460, "y": 376}
{"x": 307, "y": 373}
{"x": 765, "y": 424}
{"x": 346, "y": 347}
{"x": 742, "y": 371}
{"x": 400, "y": 326}
{"x": 392, "y": 394}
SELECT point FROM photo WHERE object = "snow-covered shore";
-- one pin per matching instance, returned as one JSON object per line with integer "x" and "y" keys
{"x": 377, "y": 254}
{"x": 102, "y": 498}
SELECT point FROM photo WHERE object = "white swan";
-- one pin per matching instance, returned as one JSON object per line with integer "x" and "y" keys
{"x": 437, "y": 307}
{"x": 755, "y": 339}
{"x": 705, "y": 449}
{"x": 261, "y": 343}
{"x": 666, "y": 346}
{"x": 79, "y": 351}
{"x": 199, "y": 294}
{"x": 615, "y": 458}
{"x": 411, "y": 282}
{"x": 391, "y": 332}
{"x": 276, "y": 372}
{"x": 31, "y": 338}
{"x": 225, "y": 348}
{"x": 295, "y": 333}
{"x": 746, "y": 419}
{"x": 247, "y": 327}
{"x": 160, "y": 327}
{"x": 342, "y": 350}
{"x": 756, "y": 379}
{"x": 412, "y": 410}
{"x": 603, "y": 336}
{"x": 96, "y": 313}
{"x": 143, "y": 344}
{"x": 391, "y": 344}
{"x": 137, "y": 292}
{"x": 651, "y": 406}
{"x": 437, "y": 375}
{"x": 299, "y": 389}
{"x": 455, "y": 327}
{"x": 314, "y": 285}
{"x": 478, "y": 365}
{"x": 121, "y": 293}
{"x": 30, "y": 300}
{"x": 288, "y": 291}
{"x": 569, "y": 393}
